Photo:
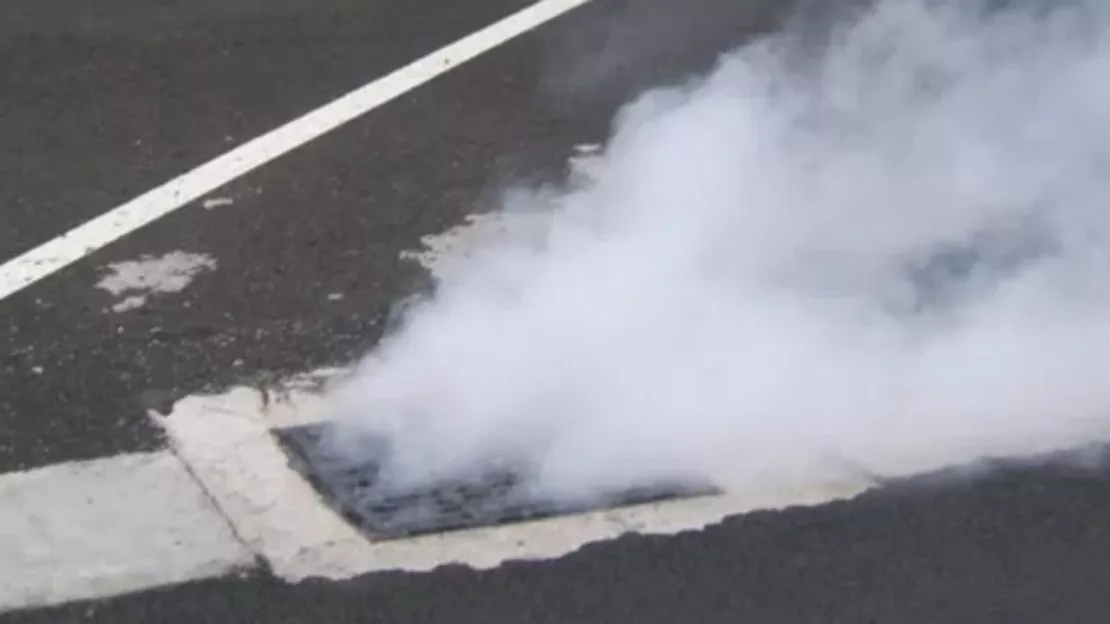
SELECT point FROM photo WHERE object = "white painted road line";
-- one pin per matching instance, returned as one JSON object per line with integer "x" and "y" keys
{"x": 228, "y": 444}
{"x": 54, "y": 255}
{"x": 105, "y": 527}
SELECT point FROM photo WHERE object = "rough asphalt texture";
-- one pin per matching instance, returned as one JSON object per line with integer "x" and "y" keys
{"x": 101, "y": 101}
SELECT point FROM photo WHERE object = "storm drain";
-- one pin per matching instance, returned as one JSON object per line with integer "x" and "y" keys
{"x": 384, "y": 513}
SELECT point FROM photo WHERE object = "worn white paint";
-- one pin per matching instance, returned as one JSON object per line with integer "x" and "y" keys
{"x": 136, "y": 280}
{"x": 52, "y": 256}
{"x": 217, "y": 202}
{"x": 109, "y": 526}
{"x": 586, "y": 161}
{"x": 442, "y": 251}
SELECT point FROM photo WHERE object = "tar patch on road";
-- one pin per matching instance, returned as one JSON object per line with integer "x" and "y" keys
{"x": 358, "y": 491}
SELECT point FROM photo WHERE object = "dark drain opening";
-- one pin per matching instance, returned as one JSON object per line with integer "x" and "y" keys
{"x": 383, "y": 513}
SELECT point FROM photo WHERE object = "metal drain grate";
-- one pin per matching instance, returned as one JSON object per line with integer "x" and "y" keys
{"x": 382, "y": 513}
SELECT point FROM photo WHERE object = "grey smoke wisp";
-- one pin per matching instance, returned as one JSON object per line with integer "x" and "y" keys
{"x": 887, "y": 251}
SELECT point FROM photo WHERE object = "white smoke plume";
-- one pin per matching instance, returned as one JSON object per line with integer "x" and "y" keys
{"x": 886, "y": 252}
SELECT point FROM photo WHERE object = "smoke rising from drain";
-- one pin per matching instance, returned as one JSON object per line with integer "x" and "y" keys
{"x": 887, "y": 253}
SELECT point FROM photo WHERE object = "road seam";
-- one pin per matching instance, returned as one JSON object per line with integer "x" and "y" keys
{"x": 109, "y": 526}
{"x": 260, "y": 562}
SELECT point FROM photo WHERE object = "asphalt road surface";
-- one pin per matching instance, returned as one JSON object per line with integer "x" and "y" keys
{"x": 295, "y": 263}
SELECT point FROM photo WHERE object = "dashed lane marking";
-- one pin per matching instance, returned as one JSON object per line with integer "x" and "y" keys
{"x": 135, "y": 281}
